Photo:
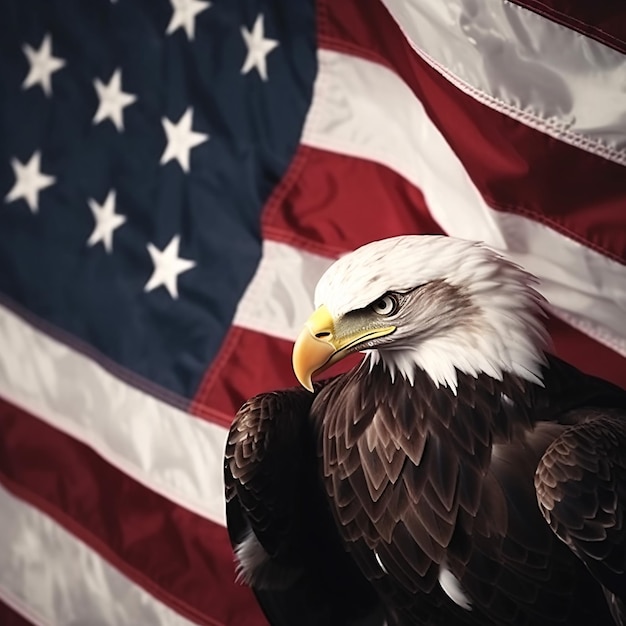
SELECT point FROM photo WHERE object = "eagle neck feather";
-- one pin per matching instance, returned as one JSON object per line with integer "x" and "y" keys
{"x": 482, "y": 409}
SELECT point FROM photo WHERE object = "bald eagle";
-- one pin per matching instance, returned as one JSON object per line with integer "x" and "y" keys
{"x": 460, "y": 474}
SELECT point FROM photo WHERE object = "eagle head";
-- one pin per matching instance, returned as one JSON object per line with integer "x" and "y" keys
{"x": 425, "y": 302}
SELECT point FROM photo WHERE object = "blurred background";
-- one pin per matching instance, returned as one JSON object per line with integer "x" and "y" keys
{"x": 175, "y": 175}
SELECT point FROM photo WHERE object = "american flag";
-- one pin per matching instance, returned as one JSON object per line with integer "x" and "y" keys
{"x": 176, "y": 174}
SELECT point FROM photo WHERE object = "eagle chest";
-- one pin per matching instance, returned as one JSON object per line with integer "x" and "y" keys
{"x": 398, "y": 476}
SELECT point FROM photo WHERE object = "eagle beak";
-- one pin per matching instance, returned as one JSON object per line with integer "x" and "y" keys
{"x": 314, "y": 347}
{"x": 323, "y": 341}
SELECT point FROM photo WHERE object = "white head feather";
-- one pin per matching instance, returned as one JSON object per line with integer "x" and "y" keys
{"x": 490, "y": 323}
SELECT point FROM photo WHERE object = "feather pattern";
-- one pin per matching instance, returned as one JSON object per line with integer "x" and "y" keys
{"x": 418, "y": 482}
{"x": 581, "y": 488}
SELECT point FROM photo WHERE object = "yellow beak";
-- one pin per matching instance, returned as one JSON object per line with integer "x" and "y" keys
{"x": 324, "y": 341}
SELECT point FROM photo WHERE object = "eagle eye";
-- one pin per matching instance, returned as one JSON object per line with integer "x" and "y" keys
{"x": 386, "y": 305}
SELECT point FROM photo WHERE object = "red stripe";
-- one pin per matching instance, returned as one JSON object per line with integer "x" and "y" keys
{"x": 516, "y": 169}
{"x": 604, "y": 21}
{"x": 175, "y": 555}
{"x": 338, "y": 203}
{"x": 586, "y": 354}
{"x": 8, "y": 617}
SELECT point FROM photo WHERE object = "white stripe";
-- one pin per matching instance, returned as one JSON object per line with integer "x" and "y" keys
{"x": 53, "y": 579}
{"x": 364, "y": 110}
{"x": 279, "y": 298}
{"x": 164, "y": 448}
{"x": 180, "y": 456}
{"x": 544, "y": 75}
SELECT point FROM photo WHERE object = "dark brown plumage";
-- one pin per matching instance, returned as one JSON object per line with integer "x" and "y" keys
{"x": 419, "y": 477}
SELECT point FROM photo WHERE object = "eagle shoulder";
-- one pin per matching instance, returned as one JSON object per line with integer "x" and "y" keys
{"x": 279, "y": 522}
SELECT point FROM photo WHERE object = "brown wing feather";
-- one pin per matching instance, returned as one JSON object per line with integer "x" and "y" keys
{"x": 517, "y": 572}
{"x": 581, "y": 488}
{"x": 259, "y": 459}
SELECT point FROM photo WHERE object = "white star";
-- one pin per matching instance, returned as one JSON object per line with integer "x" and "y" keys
{"x": 258, "y": 48}
{"x": 112, "y": 100}
{"x": 29, "y": 181}
{"x": 181, "y": 139}
{"x": 107, "y": 220}
{"x": 184, "y": 15}
{"x": 167, "y": 267}
{"x": 42, "y": 65}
